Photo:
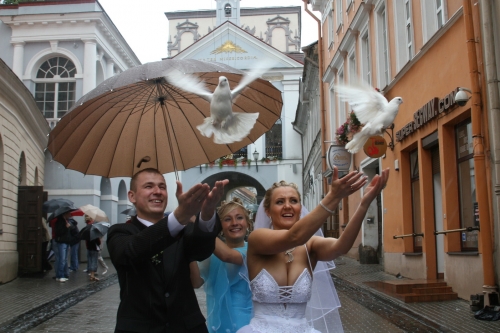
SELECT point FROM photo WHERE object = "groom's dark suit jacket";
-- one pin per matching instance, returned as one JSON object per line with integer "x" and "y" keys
{"x": 156, "y": 293}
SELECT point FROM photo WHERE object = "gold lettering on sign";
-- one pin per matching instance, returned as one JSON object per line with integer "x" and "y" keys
{"x": 228, "y": 47}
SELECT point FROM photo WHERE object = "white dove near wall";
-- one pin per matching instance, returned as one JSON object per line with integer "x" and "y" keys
{"x": 225, "y": 125}
{"x": 371, "y": 109}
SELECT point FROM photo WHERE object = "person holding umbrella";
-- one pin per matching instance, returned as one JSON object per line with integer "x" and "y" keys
{"x": 63, "y": 239}
{"x": 93, "y": 248}
{"x": 152, "y": 253}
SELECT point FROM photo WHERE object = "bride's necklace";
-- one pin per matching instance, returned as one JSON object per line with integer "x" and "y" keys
{"x": 289, "y": 255}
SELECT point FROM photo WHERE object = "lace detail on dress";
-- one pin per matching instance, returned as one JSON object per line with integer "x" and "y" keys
{"x": 280, "y": 309}
{"x": 266, "y": 290}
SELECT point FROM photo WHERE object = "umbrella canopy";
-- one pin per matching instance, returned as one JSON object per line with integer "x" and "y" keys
{"x": 137, "y": 120}
{"x": 63, "y": 209}
{"x": 53, "y": 204}
{"x": 94, "y": 230}
{"x": 129, "y": 211}
{"x": 77, "y": 212}
{"x": 97, "y": 214}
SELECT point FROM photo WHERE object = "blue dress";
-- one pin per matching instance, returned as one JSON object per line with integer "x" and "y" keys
{"x": 229, "y": 298}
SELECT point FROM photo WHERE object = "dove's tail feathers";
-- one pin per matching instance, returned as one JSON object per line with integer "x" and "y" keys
{"x": 357, "y": 143}
{"x": 233, "y": 129}
{"x": 207, "y": 128}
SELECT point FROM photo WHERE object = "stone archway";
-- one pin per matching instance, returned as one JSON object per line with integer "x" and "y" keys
{"x": 236, "y": 180}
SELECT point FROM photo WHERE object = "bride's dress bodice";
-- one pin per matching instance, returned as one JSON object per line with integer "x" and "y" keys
{"x": 280, "y": 308}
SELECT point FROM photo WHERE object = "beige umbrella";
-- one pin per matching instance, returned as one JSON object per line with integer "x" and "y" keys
{"x": 97, "y": 214}
{"x": 136, "y": 120}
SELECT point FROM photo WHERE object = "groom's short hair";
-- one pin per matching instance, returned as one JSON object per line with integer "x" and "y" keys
{"x": 133, "y": 181}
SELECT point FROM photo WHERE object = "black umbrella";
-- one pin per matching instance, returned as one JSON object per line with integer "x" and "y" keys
{"x": 94, "y": 230}
{"x": 53, "y": 204}
{"x": 63, "y": 209}
{"x": 129, "y": 211}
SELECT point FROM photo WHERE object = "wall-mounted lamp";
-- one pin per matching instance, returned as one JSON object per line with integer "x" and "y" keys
{"x": 396, "y": 165}
{"x": 461, "y": 97}
{"x": 256, "y": 158}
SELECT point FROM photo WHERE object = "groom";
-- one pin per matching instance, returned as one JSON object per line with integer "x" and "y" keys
{"x": 151, "y": 254}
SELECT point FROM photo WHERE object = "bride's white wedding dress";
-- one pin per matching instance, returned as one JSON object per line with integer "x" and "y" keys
{"x": 279, "y": 309}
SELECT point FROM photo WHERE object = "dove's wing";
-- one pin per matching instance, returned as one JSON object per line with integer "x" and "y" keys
{"x": 188, "y": 83}
{"x": 248, "y": 78}
{"x": 365, "y": 101}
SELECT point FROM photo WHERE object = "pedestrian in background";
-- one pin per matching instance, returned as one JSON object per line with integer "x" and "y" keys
{"x": 102, "y": 263}
{"x": 74, "y": 246}
{"x": 63, "y": 239}
{"x": 46, "y": 266}
{"x": 93, "y": 248}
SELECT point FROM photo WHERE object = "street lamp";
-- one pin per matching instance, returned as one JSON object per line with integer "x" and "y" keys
{"x": 256, "y": 157}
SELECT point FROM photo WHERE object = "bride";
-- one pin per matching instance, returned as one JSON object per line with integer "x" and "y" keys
{"x": 281, "y": 259}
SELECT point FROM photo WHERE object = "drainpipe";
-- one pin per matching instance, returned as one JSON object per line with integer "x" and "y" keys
{"x": 321, "y": 95}
{"x": 493, "y": 99}
{"x": 479, "y": 158}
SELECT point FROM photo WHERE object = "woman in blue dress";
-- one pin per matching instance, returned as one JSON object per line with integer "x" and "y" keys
{"x": 225, "y": 275}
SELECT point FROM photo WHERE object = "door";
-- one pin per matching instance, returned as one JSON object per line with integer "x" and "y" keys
{"x": 438, "y": 211}
{"x": 29, "y": 228}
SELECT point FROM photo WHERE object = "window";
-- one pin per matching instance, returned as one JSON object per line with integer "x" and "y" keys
{"x": 352, "y": 66}
{"x": 439, "y": 13}
{"x": 382, "y": 49}
{"x": 21, "y": 176}
{"x": 330, "y": 28}
{"x": 55, "y": 87}
{"x": 467, "y": 185}
{"x": 338, "y": 8}
{"x": 333, "y": 120}
{"x": 404, "y": 32}
{"x": 433, "y": 17}
{"x": 341, "y": 108}
{"x": 227, "y": 10}
{"x": 365, "y": 59}
{"x": 274, "y": 145}
{"x": 415, "y": 200}
{"x": 409, "y": 42}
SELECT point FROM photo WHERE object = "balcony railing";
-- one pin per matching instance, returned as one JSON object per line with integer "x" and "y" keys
{"x": 276, "y": 151}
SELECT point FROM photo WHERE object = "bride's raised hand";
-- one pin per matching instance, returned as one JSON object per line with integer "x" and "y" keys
{"x": 347, "y": 185}
{"x": 376, "y": 186}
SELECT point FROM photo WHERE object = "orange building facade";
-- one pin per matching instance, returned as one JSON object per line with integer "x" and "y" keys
{"x": 425, "y": 224}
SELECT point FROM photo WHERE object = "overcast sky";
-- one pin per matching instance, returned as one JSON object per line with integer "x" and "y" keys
{"x": 144, "y": 25}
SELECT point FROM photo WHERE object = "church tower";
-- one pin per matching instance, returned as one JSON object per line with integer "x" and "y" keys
{"x": 228, "y": 10}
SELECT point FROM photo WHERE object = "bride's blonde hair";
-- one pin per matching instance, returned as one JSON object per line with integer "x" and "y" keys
{"x": 269, "y": 192}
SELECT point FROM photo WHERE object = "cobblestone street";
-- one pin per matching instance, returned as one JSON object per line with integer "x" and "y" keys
{"x": 39, "y": 304}
{"x": 97, "y": 314}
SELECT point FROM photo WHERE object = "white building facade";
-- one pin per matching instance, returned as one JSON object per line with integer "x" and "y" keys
{"x": 245, "y": 39}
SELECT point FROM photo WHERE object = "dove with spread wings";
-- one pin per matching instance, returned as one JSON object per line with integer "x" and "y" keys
{"x": 225, "y": 125}
{"x": 371, "y": 108}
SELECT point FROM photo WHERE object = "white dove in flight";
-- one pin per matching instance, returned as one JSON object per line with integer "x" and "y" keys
{"x": 225, "y": 125}
{"x": 371, "y": 108}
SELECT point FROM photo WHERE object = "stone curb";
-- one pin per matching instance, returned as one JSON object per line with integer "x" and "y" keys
{"x": 387, "y": 308}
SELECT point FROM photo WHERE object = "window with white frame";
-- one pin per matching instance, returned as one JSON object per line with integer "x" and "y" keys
{"x": 349, "y": 5}
{"x": 403, "y": 32}
{"x": 382, "y": 48}
{"x": 342, "y": 106}
{"x": 408, "y": 28}
{"x": 338, "y": 9}
{"x": 55, "y": 87}
{"x": 352, "y": 66}
{"x": 330, "y": 28}
{"x": 433, "y": 17}
{"x": 366, "y": 72}
{"x": 439, "y": 13}
{"x": 331, "y": 103}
